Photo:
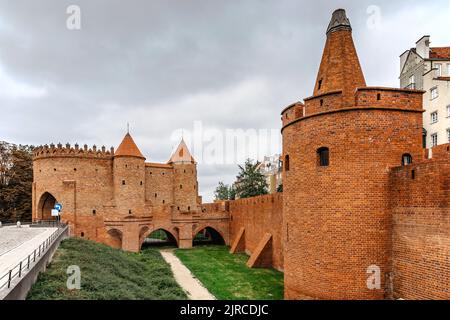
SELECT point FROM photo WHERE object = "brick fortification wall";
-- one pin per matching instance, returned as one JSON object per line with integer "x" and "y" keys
{"x": 421, "y": 228}
{"x": 258, "y": 216}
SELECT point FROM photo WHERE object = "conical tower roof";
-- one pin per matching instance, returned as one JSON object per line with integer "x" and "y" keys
{"x": 128, "y": 148}
{"x": 340, "y": 68}
{"x": 181, "y": 154}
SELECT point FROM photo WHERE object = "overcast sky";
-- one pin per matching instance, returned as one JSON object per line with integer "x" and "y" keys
{"x": 161, "y": 65}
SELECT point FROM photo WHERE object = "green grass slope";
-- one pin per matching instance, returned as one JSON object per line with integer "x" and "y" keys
{"x": 106, "y": 273}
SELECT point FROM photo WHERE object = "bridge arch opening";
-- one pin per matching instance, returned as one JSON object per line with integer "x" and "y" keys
{"x": 45, "y": 205}
{"x": 208, "y": 236}
{"x": 159, "y": 238}
{"x": 115, "y": 238}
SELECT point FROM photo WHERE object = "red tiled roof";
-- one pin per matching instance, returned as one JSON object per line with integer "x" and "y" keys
{"x": 440, "y": 53}
{"x": 128, "y": 148}
{"x": 182, "y": 154}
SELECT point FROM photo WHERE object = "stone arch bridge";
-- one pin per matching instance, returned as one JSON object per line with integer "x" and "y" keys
{"x": 129, "y": 232}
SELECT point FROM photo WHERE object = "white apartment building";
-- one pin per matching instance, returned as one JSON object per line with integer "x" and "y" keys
{"x": 271, "y": 168}
{"x": 428, "y": 68}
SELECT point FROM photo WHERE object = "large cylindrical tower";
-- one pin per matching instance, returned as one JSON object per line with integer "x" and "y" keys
{"x": 185, "y": 185}
{"x": 338, "y": 148}
{"x": 129, "y": 178}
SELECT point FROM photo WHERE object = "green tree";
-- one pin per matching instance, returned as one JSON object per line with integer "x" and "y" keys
{"x": 15, "y": 186}
{"x": 222, "y": 192}
{"x": 250, "y": 181}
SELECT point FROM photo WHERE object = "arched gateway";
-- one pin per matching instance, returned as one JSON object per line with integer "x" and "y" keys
{"x": 45, "y": 205}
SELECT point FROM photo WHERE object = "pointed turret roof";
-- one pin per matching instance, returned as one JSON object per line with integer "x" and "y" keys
{"x": 181, "y": 154}
{"x": 340, "y": 68}
{"x": 128, "y": 148}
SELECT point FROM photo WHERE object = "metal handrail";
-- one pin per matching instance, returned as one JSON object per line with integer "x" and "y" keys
{"x": 31, "y": 258}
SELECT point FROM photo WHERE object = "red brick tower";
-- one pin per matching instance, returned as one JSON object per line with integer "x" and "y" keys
{"x": 185, "y": 185}
{"x": 129, "y": 177}
{"x": 338, "y": 148}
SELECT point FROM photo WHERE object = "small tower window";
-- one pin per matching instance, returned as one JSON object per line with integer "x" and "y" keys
{"x": 406, "y": 159}
{"x": 323, "y": 157}
{"x": 94, "y": 212}
{"x": 286, "y": 162}
{"x": 178, "y": 208}
{"x": 82, "y": 234}
{"x": 74, "y": 169}
{"x": 156, "y": 195}
{"x": 141, "y": 183}
{"x": 164, "y": 201}
{"x": 189, "y": 208}
{"x": 123, "y": 182}
{"x": 319, "y": 85}
{"x": 129, "y": 211}
{"x": 181, "y": 186}
{"x": 378, "y": 96}
{"x": 321, "y": 102}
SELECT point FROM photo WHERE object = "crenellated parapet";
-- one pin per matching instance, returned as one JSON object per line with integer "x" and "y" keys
{"x": 68, "y": 151}
{"x": 365, "y": 98}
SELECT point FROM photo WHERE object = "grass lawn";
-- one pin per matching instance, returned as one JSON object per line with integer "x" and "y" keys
{"x": 106, "y": 273}
{"x": 227, "y": 277}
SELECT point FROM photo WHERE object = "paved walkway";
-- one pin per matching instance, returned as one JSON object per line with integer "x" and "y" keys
{"x": 193, "y": 287}
{"x": 17, "y": 243}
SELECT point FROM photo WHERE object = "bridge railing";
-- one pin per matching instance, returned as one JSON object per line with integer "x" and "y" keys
{"x": 37, "y": 223}
{"x": 25, "y": 264}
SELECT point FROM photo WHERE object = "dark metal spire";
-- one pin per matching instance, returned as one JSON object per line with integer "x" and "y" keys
{"x": 339, "y": 21}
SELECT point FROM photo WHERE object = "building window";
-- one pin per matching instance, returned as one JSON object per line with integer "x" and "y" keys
{"x": 448, "y": 135}
{"x": 434, "y": 117}
{"x": 323, "y": 157}
{"x": 434, "y": 93}
{"x": 448, "y": 70}
{"x": 434, "y": 140}
{"x": 412, "y": 82}
{"x": 448, "y": 111}
{"x": 123, "y": 182}
{"x": 438, "y": 69}
{"x": 406, "y": 159}
{"x": 286, "y": 162}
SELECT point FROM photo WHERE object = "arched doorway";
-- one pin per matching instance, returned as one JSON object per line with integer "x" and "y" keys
{"x": 208, "y": 236}
{"x": 159, "y": 238}
{"x": 45, "y": 205}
